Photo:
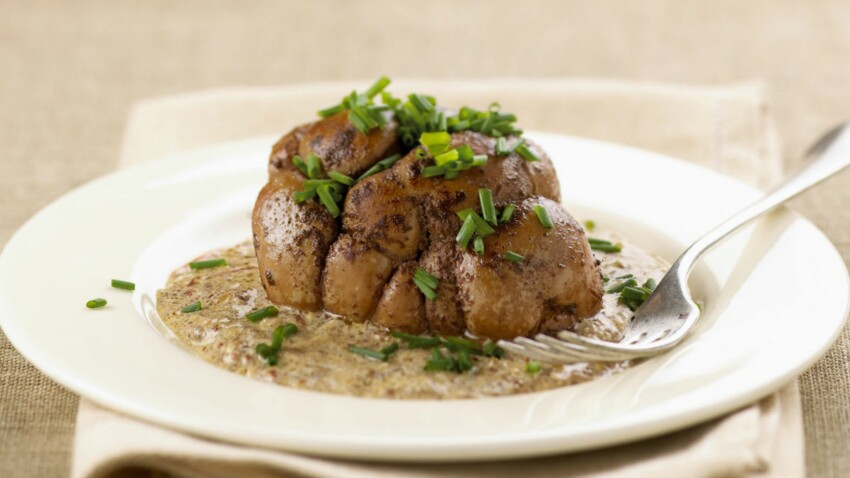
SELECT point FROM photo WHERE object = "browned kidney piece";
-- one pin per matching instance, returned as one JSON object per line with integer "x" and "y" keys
{"x": 556, "y": 282}
{"x": 402, "y": 305}
{"x": 361, "y": 265}
{"x": 354, "y": 278}
{"x": 291, "y": 241}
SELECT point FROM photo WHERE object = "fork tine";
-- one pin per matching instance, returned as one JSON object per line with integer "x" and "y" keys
{"x": 579, "y": 351}
{"x": 535, "y": 352}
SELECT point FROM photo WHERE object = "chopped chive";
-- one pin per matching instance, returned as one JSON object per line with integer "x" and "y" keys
{"x": 502, "y": 147}
{"x": 426, "y": 278}
{"x": 375, "y": 169}
{"x": 437, "y": 142}
{"x": 389, "y": 161}
{"x": 314, "y": 166}
{"x": 589, "y": 225}
{"x": 490, "y": 349}
{"x": 369, "y": 353}
{"x": 635, "y": 293}
{"x": 261, "y": 314}
{"x": 420, "y": 102}
{"x": 622, "y": 285}
{"x": 464, "y": 361}
{"x": 331, "y": 110}
{"x": 207, "y": 264}
{"x": 381, "y": 165}
{"x": 650, "y": 284}
{"x": 625, "y": 276}
{"x": 465, "y": 153}
{"x": 428, "y": 292}
{"x": 270, "y": 352}
{"x": 438, "y": 362}
{"x": 513, "y": 256}
{"x": 532, "y": 367}
{"x": 431, "y": 171}
{"x": 448, "y": 156}
{"x": 122, "y": 284}
{"x": 418, "y": 341}
{"x": 466, "y": 232}
{"x": 605, "y": 279}
{"x": 377, "y": 87}
{"x": 516, "y": 145}
{"x": 96, "y": 303}
{"x": 191, "y": 308}
{"x": 481, "y": 227}
{"x": 451, "y": 174}
{"x": 479, "y": 160}
{"x": 302, "y": 196}
{"x": 327, "y": 200}
{"x": 390, "y": 349}
{"x": 543, "y": 216}
{"x": 300, "y": 164}
{"x": 357, "y": 121}
{"x": 478, "y": 245}
{"x": 507, "y": 212}
{"x": 488, "y": 209}
{"x": 341, "y": 178}
{"x": 315, "y": 183}
{"x": 459, "y": 343}
{"x": 526, "y": 153}
{"x": 605, "y": 246}
{"x": 283, "y": 331}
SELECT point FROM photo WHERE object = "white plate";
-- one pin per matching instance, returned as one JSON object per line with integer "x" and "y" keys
{"x": 777, "y": 296}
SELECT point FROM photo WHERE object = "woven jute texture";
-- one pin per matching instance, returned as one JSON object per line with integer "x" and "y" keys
{"x": 71, "y": 71}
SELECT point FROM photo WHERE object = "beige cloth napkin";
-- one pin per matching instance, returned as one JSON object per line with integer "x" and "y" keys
{"x": 728, "y": 128}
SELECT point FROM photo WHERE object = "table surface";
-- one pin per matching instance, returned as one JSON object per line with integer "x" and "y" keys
{"x": 71, "y": 71}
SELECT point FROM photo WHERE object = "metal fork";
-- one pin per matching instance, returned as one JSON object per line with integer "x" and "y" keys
{"x": 669, "y": 314}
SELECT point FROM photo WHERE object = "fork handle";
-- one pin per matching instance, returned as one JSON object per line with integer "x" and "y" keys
{"x": 828, "y": 156}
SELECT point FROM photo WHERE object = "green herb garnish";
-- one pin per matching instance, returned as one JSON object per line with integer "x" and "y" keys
{"x": 604, "y": 246}
{"x": 439, "y": 362}
{"x": 426, "y": 283}
{"x": 513, "y": 256}
{"x": 436, "y": 142}
{"x": 208, "y": 264}
{"x": 543, "y": 217}
{"x": 478, "y": 246}
{"x": 380, "y": 166}
{"x": 482, "y": 228}
{"x": 490, "y": 349}
{"x": 363, "y": 113}
{"x": 96, "y": 303}
{"x": 382, "y": 355}
{"x": 526, "y": 153}
{"x": 507, "y": 212}
{"x": 270, "y": 351}
{"x": 327, "y": 200}
{"x": 488, "y": 209}
{"x": 467, "y": 230}
{"x": 622, "y": 285}
{"x": 191, "y": 308}
{"x": 532, "y": 367}
{"x": 418, "y": 341}
{"x": 122, "y": 284}
{"x": 589, "y": 225}
{"x": 261, "y": 314}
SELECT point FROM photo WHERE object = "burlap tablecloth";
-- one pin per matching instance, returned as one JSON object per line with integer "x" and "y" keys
{"x": 725, "y": 128}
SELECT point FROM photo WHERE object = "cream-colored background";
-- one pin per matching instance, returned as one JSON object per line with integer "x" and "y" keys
{"x": 69, "y": 72}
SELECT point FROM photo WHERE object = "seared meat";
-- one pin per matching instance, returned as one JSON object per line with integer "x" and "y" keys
{"x": 292, "y": 240}
{"x": 556, "y": 283}
{"x": 397, "y": 220}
